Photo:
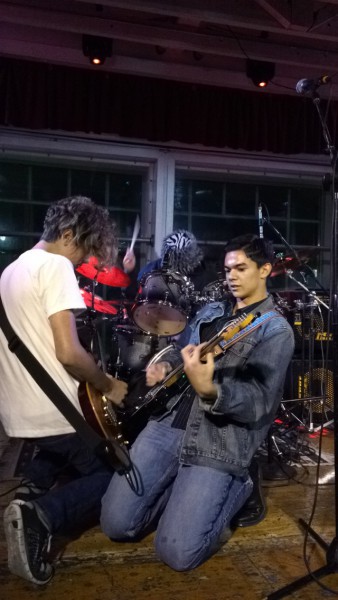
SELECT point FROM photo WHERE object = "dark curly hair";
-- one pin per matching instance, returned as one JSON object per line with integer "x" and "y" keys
{"x": 258, "y": 249}
{"x": 92, "y": 227}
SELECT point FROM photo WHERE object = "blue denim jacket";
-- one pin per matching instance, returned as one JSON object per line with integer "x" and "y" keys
{"x": 250, "y": 377}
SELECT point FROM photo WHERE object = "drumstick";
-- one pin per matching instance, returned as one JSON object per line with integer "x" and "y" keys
{"x": 135, "y": 232}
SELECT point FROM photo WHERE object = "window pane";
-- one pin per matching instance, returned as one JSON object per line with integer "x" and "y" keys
{"x": 271, "y": 234}
{"x": 125, "y": 191}
{"x": 89, "y": 183}
{"x": 240, "y": 198}
{"x": 207, "y": 196}
{"x": 275, "y": 199}
{"x": 38, "y": 217}
{"x": 125, "y": 222}
{"x": 13, "y": 181}
{"x": 49, "y": 183}
{"x": 304, "y": 233}
{"x": 218, "y": 229}
{"x": 22, "y": 217}
{"x": 15, "y": 217}
{"x": 181, "y": 195}
{"x": 181, "y": 222}
{"x": 305, "y": 203}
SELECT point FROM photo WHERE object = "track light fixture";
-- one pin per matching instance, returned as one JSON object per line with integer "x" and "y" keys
{"x": 260, "y": 72}
{"x": 96, "y": 48}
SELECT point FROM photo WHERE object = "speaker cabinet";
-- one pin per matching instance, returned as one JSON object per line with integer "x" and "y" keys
{"x": 303, "y": 382}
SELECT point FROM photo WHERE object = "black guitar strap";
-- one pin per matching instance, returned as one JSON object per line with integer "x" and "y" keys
{"x": 106, "y": 449}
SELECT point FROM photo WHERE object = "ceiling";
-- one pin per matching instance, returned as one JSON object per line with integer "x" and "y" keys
{"x": 198, "y": 41}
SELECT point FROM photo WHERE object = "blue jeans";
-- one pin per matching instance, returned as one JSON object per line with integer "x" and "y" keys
{"x": 193, "y": 505}
{"x": 78, "y": 500}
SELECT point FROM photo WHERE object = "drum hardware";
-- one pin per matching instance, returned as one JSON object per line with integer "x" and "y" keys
{"x": 293, "y": 263}
{"x": 281, "y": 303}
{"x": 90, "y": 338}
{"x": 215, "y": 291}
{"x": 163, "y": 302}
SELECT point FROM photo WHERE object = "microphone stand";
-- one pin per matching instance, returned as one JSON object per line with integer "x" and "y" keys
{"x": 332, "y": 548}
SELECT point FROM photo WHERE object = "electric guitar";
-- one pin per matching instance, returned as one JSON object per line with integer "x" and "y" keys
{"x": 123, "y": 425}
{"x": 176, "y": 381}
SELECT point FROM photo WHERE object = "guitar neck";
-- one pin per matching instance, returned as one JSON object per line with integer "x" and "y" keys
{"x": 178, "y": 371}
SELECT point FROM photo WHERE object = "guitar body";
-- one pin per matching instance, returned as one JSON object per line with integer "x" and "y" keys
{"x": 143, "y": 402}
{"x": 100, "y": 413}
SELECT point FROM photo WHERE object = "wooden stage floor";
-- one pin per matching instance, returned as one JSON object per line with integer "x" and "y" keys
{"x": 255, "y": 562}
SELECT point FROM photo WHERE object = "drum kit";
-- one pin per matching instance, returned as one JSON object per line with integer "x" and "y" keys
{"x": 142, "y": 327}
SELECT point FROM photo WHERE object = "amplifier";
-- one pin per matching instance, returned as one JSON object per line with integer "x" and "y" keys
{"x": 303, "y": 382}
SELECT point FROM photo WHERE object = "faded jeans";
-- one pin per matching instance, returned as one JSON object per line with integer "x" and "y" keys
{"x": 193, "y": 505}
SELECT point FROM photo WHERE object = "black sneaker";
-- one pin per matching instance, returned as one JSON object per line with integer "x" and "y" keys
{"x": 28, "y": 540}
{"x": 28, "y": 491}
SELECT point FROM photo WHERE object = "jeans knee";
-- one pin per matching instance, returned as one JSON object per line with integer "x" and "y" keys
{"x": 114, "y": 527}
{"x": 176, "y": 557}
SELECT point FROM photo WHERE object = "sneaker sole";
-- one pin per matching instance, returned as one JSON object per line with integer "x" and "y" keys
{"x": 17, "y": 556}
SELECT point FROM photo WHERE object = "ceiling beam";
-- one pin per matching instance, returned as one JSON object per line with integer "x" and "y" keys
{"x": 231, "y": 13}
{"x": 323, "y": 16}
{"x": 278, "y": 9}
{"x": 209, "y": 46}
{"x": 178, "y": 39}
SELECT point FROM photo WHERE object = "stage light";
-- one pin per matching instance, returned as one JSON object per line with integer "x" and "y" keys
{"x": 260, "y": 72}
{"x": 96, "y": 48}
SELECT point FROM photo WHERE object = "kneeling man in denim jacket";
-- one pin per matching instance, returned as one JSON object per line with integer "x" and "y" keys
{"x": 193, "y": 458}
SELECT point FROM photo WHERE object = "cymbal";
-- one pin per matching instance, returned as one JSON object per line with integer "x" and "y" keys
{"x": 99, "y": 304}
{"x": 291, "y": 262}
{"x": 112, "y": 276}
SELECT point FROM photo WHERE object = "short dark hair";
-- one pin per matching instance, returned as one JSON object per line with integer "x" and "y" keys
{"x": 92, "y": 227}
{"x": 258, "y": 249}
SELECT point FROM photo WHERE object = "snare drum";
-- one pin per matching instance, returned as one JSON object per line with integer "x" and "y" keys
{"x": 162, "y": 304}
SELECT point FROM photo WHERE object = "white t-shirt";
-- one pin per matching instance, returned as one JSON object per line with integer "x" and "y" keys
{"x": 34, "y": 287}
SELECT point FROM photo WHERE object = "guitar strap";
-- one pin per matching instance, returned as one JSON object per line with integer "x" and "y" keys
{"x": 105, "y": 449}
{"x": 258, "y": 321}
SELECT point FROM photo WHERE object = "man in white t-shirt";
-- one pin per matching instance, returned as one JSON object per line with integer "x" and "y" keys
{"x": 41, "y": 297}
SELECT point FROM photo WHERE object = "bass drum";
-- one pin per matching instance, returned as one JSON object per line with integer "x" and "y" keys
{"x": 162, "y": 304}
{"x": 131, "y": 350}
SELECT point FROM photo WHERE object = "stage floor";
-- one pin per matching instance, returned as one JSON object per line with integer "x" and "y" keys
{"x": 255, "y": 562}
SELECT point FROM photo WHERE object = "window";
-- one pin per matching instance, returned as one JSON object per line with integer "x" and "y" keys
{"x": 26, "y": 190}
{"x": 217, "y": 210}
